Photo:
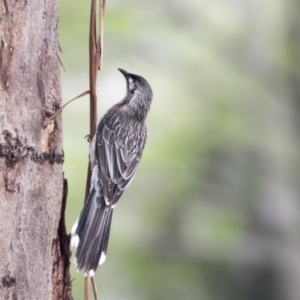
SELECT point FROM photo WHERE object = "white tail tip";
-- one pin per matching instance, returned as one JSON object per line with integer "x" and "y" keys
{"x": 74, "y": 227}
{"x": 102, "y": 258}
{"x": 75, "y": 241}
{"x": 91, "y": 273}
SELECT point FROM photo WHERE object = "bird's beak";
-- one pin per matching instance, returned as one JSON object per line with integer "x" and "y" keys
{"x": 126, "y": 75}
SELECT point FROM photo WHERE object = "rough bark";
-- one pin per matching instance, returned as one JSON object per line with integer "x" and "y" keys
{"x": 34, "y": 247}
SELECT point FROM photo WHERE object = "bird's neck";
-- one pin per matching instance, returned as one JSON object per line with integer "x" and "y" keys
{"x": 131, "y": 113}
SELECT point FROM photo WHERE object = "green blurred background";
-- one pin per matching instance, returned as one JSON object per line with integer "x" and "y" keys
{"x": 213, "y": 211}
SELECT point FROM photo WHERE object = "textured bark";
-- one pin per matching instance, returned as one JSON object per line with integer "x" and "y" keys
{"x": 34, "y": 247}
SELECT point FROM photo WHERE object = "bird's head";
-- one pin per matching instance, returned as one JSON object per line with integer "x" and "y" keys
{"x": 139, "y": 94}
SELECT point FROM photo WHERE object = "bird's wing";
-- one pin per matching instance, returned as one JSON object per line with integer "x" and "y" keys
{"x": 118, "y": 160}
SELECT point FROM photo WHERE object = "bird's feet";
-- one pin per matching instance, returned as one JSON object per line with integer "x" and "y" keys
{"x": 88, "y": 138}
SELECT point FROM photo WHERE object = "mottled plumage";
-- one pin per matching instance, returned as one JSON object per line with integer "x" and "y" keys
{"x": 115, "y": 153}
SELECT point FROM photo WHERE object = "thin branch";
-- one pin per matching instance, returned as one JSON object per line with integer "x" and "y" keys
{"x": 95, "y": 63}
{"x": 86, "y": 287}
{"x": 93, "y": 73}
{"x": 101, "y": 32}
{"x": 60, "y": 61}
{"x": 94, "y": 285}
{"x": 58, "y": 111}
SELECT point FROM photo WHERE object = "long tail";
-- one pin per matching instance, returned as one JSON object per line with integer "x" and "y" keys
{"x": 91, "y": 233}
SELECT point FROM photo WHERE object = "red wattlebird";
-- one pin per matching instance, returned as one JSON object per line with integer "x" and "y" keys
{"x": 115, "y": 153}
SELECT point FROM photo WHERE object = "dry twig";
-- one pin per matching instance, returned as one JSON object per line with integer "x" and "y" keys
{"x": 95, "y": 64}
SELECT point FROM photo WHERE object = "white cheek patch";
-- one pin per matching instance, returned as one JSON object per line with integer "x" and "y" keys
{"x": 131, "y": 84}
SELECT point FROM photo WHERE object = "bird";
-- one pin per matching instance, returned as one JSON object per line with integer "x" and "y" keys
{"x": 115, "y": 152}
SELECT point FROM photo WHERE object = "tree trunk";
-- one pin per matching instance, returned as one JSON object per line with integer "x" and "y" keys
{"x": 34, "y": 246}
